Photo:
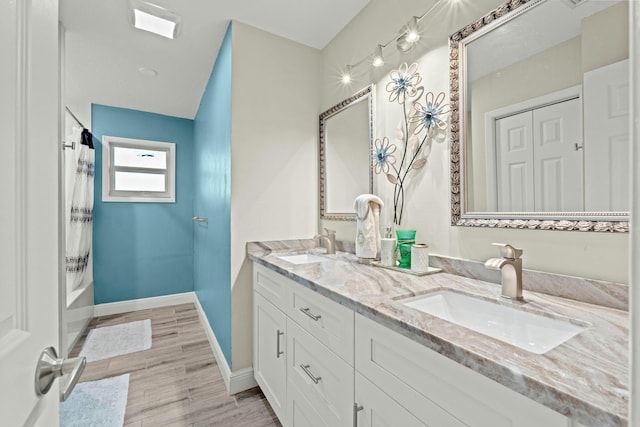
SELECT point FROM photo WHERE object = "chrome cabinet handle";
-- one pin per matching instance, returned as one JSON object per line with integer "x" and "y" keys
{"x": 356, "y": 408}
{"x": 51, "y": 367}
{"x": 307, "y": 311}
{"x": 306, "y": 370}
{"x": 198, "y": 219}
{"x": 278, "y": 352}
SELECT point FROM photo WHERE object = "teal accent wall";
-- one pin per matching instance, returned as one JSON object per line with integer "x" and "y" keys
{"x": 143, "y": 250}
{"x": 212, "y": 198}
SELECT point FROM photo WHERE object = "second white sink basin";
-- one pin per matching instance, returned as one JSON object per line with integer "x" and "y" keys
{"x": 302, "y": 259}
{"x": 532, "y": 332}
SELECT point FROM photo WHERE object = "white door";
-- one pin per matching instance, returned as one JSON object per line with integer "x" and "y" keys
{"x": 29, "y": 113}
{"x": 514, "y": 159}
{"x": 557, "y": 162}
{"x": 606, "y": 138}
{"x": 539, "y": 168}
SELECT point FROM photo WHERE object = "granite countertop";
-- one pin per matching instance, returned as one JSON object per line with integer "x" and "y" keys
{"x": 585, "y": 378}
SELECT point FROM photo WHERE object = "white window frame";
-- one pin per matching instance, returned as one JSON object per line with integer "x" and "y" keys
{"x": 108, "y": 171}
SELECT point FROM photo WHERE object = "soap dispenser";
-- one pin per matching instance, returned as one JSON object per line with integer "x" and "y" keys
{"x": 388, "y": 249}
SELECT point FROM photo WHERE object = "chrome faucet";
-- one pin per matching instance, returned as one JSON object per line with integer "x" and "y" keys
{"x": 330, "y": 240}
{"x": 511, "y": 267}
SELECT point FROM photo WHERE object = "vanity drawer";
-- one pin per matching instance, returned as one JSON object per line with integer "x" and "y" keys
{"x": 437, "y": 390}
{"x": 320, "y": 377}
{"x": 271, "y": 285}
{"x": 328, "y": 321}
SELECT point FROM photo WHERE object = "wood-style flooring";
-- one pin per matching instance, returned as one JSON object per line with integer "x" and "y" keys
{"x": 177, "y": 382}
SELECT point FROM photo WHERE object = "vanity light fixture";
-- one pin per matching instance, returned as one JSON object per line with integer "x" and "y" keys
{"x": 409, "y": 35}
{"x": 154, "y": 19}
{"x": 346, "y": 75}
{"x": 408, "y": 38}
{"x": 378, "y": 59}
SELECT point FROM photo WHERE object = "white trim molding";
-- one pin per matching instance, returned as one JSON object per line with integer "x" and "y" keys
{"x": 109, "y": 193}
{"x": 142, "y": 304}
{"x": 237, "y": 381}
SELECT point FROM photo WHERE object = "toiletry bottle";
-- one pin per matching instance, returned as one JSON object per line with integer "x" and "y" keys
{"x": 388, "y": 249}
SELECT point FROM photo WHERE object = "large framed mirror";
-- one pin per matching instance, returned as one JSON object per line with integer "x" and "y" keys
{"x": 540, "y": 117}
{"x": 346, "y": 133}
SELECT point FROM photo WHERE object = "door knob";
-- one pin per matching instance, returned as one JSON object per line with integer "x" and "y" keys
{"x": 51, "y": 367}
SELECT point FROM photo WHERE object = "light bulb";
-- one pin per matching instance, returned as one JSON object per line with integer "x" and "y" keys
{"x": 409, "y": 35}
{"x": 378, "y": 59}
{"x": 346, "y": 75}
{"x": 413, "y": 36}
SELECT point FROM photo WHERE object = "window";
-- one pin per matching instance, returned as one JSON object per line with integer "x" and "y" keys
{"x": 135, "y": 170}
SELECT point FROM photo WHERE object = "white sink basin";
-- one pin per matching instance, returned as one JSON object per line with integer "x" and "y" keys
{"x": 532, "y": 332}
{"x": 302, "y": 259}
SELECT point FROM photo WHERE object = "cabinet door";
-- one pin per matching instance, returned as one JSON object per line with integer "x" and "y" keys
{"x": 374, "y": 408}
{"x": 301, "y": 412}
{"x": 438, "y": 390}
{"x": 269, "y": 353}
{"x": 323, "y": 379}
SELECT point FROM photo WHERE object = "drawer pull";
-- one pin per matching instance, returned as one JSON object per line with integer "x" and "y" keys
{"x": 308, "y": 312}
{"x": 306, "y": 370}
{"x": 356, "y": 408}
{"x": 278, "y": 352}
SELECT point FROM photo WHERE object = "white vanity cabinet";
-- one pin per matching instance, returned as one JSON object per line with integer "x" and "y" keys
{"x": 436, "y": 390}
{"x": 319, "y": 364}
{"x": 303, "y": 352}
{"x": 269, "y": 337}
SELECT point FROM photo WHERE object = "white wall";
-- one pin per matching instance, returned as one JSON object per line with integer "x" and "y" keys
{"x": 275, "y": 90}
{"x": 634, "y": 345}
{"x": 76, "y": 309}
{"x": 593, "y": 255}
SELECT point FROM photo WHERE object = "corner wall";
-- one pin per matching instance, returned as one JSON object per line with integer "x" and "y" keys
{"x": 276, "y": 85}
{"x": 603, "y": 256}
{"x": 212, "y": 163}
{"x": 143, "y": 249}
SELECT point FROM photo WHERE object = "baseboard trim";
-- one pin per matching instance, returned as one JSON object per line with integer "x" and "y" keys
{"x": 241, "y": 380}
{"x": 237, "y": 381}
{"x": 225, "y": 370}
{"x": 143, "y": 304}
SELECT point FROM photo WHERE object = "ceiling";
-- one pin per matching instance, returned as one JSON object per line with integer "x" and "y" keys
{"x": 104, "y": 52}
{"x": 535, "y": 31}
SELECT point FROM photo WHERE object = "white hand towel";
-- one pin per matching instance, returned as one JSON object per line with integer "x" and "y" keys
{"x": 367, "y": 208}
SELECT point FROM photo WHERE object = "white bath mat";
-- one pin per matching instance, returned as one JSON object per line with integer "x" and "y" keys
{"x": 110, "y": 341}
{"x": 96, "y": 404}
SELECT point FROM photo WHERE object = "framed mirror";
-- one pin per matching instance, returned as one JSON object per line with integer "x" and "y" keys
{"x": 540, "y": 117}
{"x": 346, "y": 134}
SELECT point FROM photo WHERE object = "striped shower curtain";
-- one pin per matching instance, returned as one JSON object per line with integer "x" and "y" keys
{"x": 79, "y": 227}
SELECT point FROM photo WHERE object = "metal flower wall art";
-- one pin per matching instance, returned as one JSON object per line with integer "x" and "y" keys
{"x": 424, "y": 120}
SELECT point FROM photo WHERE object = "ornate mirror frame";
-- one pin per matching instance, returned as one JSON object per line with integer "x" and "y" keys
{"x": 368, "y": 93}
{"x": 580, "y": 221}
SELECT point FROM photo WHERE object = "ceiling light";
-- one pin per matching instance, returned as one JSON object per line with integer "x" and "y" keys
{"x": 378, "y": 59}
{"x": 155, "y": 19}
{"x": 146, "y": 71}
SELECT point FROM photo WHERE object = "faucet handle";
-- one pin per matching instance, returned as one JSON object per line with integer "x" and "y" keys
{"x": 508, "y": 251}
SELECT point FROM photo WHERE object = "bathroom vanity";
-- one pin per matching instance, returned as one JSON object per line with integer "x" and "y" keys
{"x": 334, "y": 345}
